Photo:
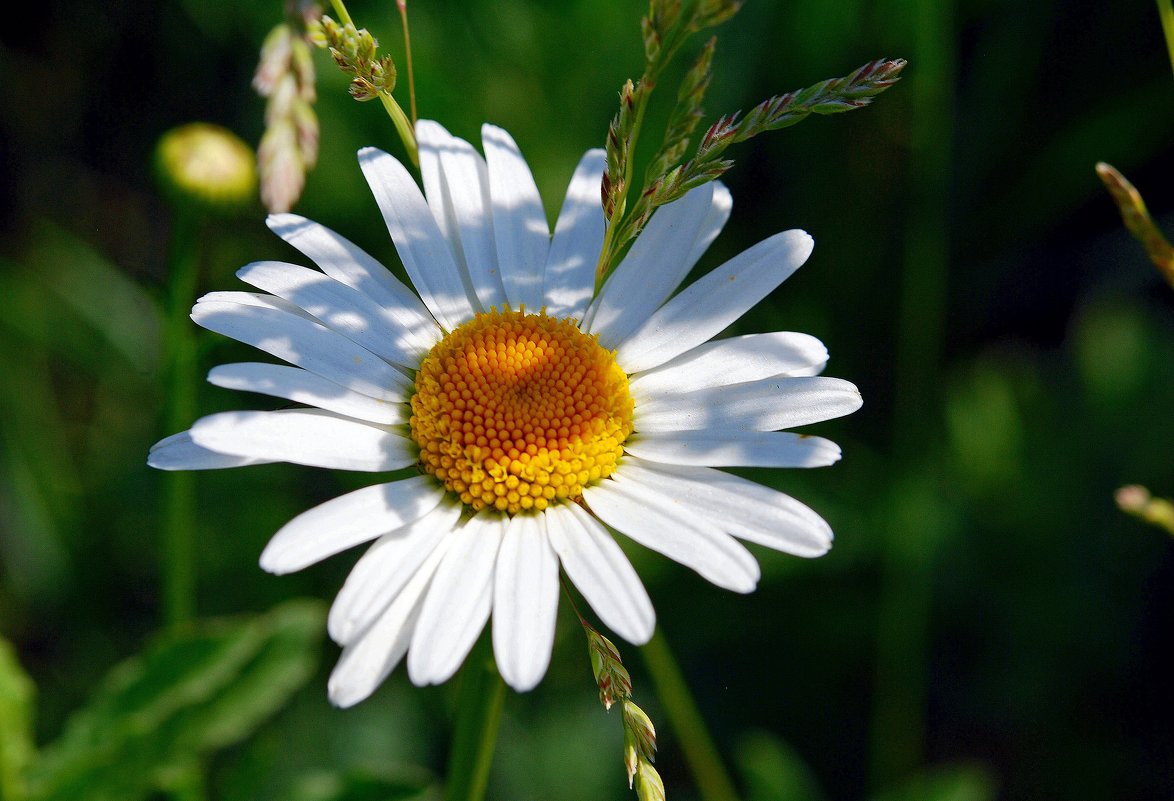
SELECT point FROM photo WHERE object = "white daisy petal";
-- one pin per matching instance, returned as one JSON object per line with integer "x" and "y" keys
{"x": 365, "y": 663}
{"x": 428, "y": 140}
{"x": 178, "y": 452}
{"x": 596, "y": 564}
{"x": 458, "y": 602}
{"x": 738, "y": 506}
{"x": 422, "y": 248}
{"x": 349, "y": 520}
{"x": 714, "y": 301}
{"x": 569, "y": 277}
{"x": 765, "y": 405}
{"x": 733, "y": 361}
{"x": 656, "y": 265}
{"x": 359, "y": 346}
{"x": 649, "y": 517}
{"x": 304, "y": 343}
{"x": 302, "y": 386}
{"x": 519, "y": 221}
{"x": 338, "y": 306}
{"x": 309, "y": 437}
{"x": 719, "y": 212}
{"x": 457, "y": 186}
{"x": 346, "y": 262}
{"x": 735, "y": 449}
{"x": 259, "y": 299}
{"x": 525, "y": 599}
{"x": 385, "y": 569}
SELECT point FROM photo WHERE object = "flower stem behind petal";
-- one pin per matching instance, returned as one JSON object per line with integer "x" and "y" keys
{"x": 402, "y": 126}
{"x": 713, "y": 782}
{"x": 478, "y": 717}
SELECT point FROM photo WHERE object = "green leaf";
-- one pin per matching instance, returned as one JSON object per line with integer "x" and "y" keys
{"x": 187, "y": 695}
{"x": 944, "y": 783}
{"x": 17, "y": 749}
{"x": 772, "y": 771}
{"x": 362, "y": 786}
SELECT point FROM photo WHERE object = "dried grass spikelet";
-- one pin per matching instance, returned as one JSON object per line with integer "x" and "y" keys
{"x": 289, "y": 146}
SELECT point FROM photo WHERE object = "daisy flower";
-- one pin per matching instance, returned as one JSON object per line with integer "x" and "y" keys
{"x": 539, "y": 415}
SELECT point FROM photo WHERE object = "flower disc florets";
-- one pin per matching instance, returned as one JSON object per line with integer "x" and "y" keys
{"x": 515, "y": 410}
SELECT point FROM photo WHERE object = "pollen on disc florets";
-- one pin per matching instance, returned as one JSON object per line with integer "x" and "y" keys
{"x": 515, "y": 411}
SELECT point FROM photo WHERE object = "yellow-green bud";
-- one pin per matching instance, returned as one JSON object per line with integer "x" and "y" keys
{"x": 649, "y": 787}
{"x": 643, "y": 732}
{"x": 207, "y": 165}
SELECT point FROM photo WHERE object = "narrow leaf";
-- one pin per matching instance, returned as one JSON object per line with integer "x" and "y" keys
{"x": 17, "y": 749}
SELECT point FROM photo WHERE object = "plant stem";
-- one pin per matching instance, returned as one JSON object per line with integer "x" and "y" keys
{"x": 403, "y": 15}
{"x": 343, "y": 15}
{"x": 482, "y": 696}
{"x": 900, "y": 693}
{"x": 402, "y": 126}
{"x": 647, "y": 83}
{"x": 713, "y": 782}
{"x": 179, "y": 511}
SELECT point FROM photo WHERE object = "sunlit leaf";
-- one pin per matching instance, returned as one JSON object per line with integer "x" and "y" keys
{"x": 16, "y": 724}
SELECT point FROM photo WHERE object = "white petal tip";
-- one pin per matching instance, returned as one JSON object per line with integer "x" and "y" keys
{"x": 344, "y": 697}
{"x": 427, "y": 128}
{"x": 642, "y": 636}
{"x": 282, "y": 219}
{"x": 523, "y": 684}
{"x": 367, "y": 154}
{"x": 271, "y": 562}
{"x": 417, "y": 675}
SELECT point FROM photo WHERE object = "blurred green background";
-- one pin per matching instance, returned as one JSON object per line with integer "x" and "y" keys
{"x": 988, "y": 624}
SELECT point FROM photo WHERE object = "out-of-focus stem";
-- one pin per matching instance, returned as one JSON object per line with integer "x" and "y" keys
{"x": 478, "y": 718}
{"x": 343, "y": 15}
{"x": 713, "y": 782}
{"x": 179, "y": 510}
{"x": 900, "y": 690}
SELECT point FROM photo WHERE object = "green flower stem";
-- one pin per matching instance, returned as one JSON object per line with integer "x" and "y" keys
{"x": 179, "y": 509}
{"x": 343, "y": 15}
{"x": 403, "y": 126}
{"x": 713, "y": 782}
{"x": 897, "y": 737}
{"x": 403, "y": 16}
{"x": 1166, "y": 12}
{"x": 482, "y": 696}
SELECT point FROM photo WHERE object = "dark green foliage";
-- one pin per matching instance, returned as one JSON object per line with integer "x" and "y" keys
{"x": 191, "y": 693}
{"x": 1035, "y": 379}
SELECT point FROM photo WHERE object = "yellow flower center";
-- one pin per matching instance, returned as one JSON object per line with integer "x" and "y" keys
{"x": 515, "y": 411}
